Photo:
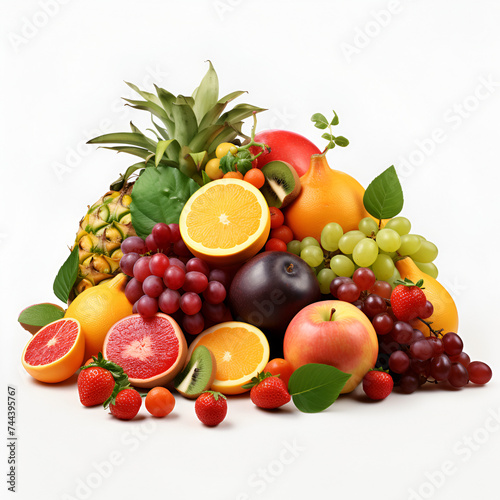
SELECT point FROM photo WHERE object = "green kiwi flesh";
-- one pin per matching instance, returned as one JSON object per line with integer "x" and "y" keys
{"x": 198, "y": 375}
{"x": 282, "y": 184}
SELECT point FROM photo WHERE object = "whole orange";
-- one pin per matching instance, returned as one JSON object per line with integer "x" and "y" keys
{"x": 326, "y": 196}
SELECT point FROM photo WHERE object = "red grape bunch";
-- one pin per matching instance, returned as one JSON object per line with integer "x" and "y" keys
{"x": 411, "y": 357}
{"x": 166, "y": 277}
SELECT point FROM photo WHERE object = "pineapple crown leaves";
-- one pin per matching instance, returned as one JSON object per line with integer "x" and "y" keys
{"x": 258, "y": 379}
{"x": 216, "y": 395}
{"x": 121, "y": 378}
{"x": 409, "y": 283}
{"x": 191, "y": 127}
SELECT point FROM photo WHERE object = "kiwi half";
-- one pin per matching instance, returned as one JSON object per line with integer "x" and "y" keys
{"x": 282, "y": 184}
{"x": 198, "y": 375}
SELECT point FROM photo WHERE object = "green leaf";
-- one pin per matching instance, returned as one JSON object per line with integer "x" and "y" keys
{"x": 335, "y": 119}
{"x": 161, "y": 147}
{"x": 66, "y": 276}
{"x": 383, "y": 198}
{"x": 341, "y": 141}
{"x": 128, "y": 138}
{"x": 159, "y": 195}
{"x": 186, "y": 126}
{"x": 328, "y": 137}
{"x": 207, "y": 94}
{"x": 227, "y": 163}
{"x": 205, "y": 178}
{"x": 40, "y": 314}
{"x": 243, "y": 165}
{"x": 314, "y": 387}
{"x": 145, "y": 95}
{"x": 199, "y": 159}
{"x": 319, "y": 120}
{"x": 239, "y": 112}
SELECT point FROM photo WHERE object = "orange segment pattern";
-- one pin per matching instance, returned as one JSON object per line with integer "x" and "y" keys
{"x": 224, "y": 217}
{"x": 237, "y": 351}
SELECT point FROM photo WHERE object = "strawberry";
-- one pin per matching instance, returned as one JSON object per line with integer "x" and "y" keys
{"x": 126, "y": 405}
{"x": 408, "y": 299}
{"x": 95, "y": 385}
{"x": 100, "y": 380}
{"x": 268, "y": 391}
{"x": 377, "y": 384}
{"x": 211, "y": 408}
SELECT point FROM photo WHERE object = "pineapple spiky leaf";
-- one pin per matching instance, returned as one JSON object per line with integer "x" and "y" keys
{"x": 207, "y": 94}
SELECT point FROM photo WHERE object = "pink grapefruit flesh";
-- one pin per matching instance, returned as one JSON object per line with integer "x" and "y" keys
{"x": 151, "y": 351}
{"x": 55, "y": 352}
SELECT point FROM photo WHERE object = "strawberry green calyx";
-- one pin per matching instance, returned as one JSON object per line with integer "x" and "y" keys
{"x": 379, "y": 369}
{"x": 408, "y": 282}
{"x": 258, "y": 379}
{"x": 215, "y": 394}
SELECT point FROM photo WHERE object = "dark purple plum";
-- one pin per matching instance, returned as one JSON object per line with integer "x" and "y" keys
{"x": 270, "y": 289}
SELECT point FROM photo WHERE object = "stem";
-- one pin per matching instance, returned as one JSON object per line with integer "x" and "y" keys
{"x": 252, "y": 142}
{"x": 332, "y": 312}
{"x": 436, "y": 333}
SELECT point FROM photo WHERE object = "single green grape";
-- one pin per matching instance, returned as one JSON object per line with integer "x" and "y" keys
{"x": 368, "y": 226}
{"x": 330, "y": 236}
{"x": 383, "y": 267}
{"x": 395, "y": 276}
{"x": 308, "y": 241}
{"x": 410, "y": 243}
{"x": 388, "y": 240}
{"x": 325, "y": 277}
{"x": 342, "y": 265}
{"x": 428, "y": 268}
{"x": 400, "y": 224}
{"x": 365, "y": 252}
{"x": 294, "y": 247}
{"x": 350, "y": 240}
{"x": 313, "y": 255}
{"x": 426, "y": 253}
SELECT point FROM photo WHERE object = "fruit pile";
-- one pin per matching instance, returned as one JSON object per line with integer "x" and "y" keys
{"x": 223, "y": 264}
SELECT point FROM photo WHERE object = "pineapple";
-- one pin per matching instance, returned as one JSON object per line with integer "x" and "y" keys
{"x": 101, "y": 232}
{"x": 191, "y": 129}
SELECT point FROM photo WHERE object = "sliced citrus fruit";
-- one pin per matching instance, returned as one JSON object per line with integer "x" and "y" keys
{"x": 241, "y": 351}
{"x": 55, "y": 352}
{"x": 226, "y": 221}
{"x": 151, "y": 351}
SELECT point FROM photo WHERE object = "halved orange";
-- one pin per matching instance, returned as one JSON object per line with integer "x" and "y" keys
{"x": 225, "y": 222}
{"x": 55, "y": 352}
{"x": 240, "y": 350}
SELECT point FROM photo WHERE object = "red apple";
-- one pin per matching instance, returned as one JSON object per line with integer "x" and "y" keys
{"x": 287, "y": 146}
{"x": 332, "y": 332}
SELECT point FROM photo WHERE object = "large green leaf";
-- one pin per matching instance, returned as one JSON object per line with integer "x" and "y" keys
{"x": 66, "y": 276}
{"x": 314, "y": 387}
{"x": 148, "y": 106}
{"x": 40, "y": 314}
{"x": 205, "y": 137}
{"x": 159, "y": 196}
{"x": 207, "y": 94}
{"x": 383, "y": 198}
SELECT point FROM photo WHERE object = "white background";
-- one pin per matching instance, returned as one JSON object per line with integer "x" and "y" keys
{"x": 394, "y": 78}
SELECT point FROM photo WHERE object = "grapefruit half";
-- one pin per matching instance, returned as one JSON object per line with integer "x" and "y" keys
{"x": 55, "y": 352}
{"x": 151, "y": 351}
